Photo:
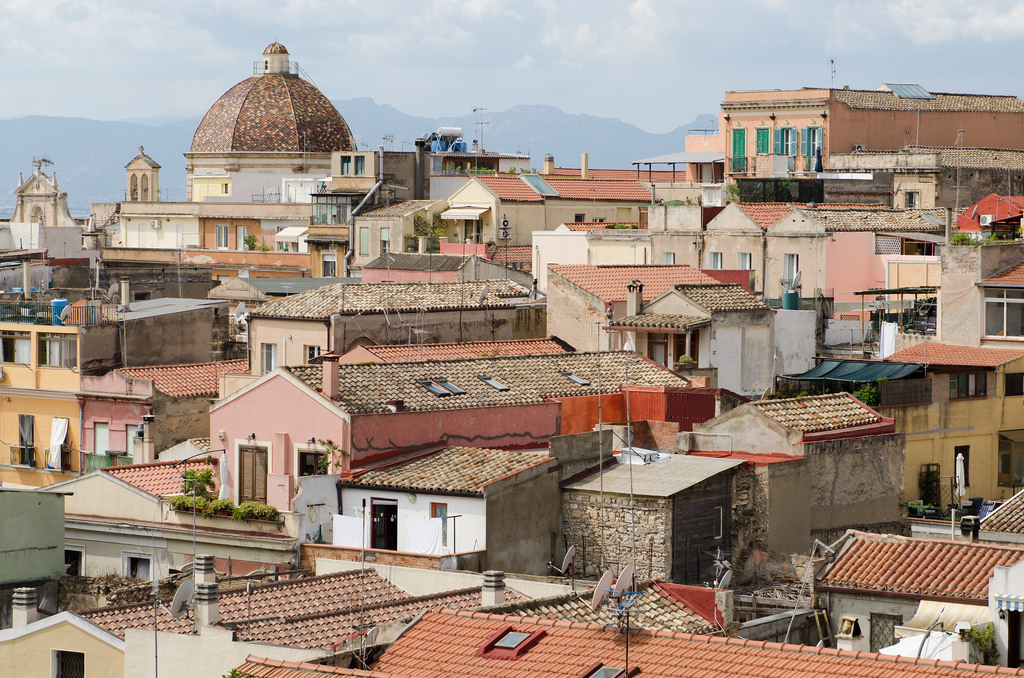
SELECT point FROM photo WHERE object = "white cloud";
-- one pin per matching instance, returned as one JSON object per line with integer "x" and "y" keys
{"x": 523, "y": 63}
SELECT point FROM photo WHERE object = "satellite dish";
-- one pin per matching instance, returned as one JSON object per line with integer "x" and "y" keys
{"x": 483, "y": 294}
{"x": 567, "y": 561}
{"x": 112, "y": 291}
{"x": 897, "y": 188}
{"x": 724, "y": 582}
{"x": 601, "y": 591}
{"x": 974, "y": 212}
{"x": 240, "y": 311}
{"x": 65, "y": 314}
{"x": 796, "y": 281}
{"x": 182, "y": 597}
{"x": 625, "y": 580}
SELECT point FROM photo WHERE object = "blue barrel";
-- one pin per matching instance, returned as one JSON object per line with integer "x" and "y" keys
{"x": 57, "y": 306}
{"x": 791, "y": 300}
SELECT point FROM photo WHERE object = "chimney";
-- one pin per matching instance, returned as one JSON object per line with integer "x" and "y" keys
{"x": 583, "y": 166}
{"x": 493, "y": 592}
{"x": 549, "y": 165}
{"x": 970, "y": 527}
{"x": 634, "y": 297}
{"x": 419, "y": 182}
{"x": 330, "y": 379}
{"x": 203, "y": 570}
{"x": 26, "y": 278}
{"x": 207, "y": 605}
{"x": 124, "y": 291}
{"x": 24, "y": 609}
{"x": 949, "y": 224}
{"x": 476, "y": 146}
{"x": 148, "y": 452}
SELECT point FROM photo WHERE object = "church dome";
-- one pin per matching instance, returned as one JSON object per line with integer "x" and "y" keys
{"x": 275, "y": 112}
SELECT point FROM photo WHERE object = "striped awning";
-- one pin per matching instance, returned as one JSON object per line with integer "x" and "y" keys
{"x": 1005, "y": 601}
{"x": 464, "y": 212}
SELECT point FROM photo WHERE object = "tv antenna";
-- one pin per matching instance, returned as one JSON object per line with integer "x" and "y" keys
{"x": 723, "y": 570}
{"x": 895, "y": 192}
{"x": 620, "y": 595}
{"x": 182, "y": 598}
{"x": 480, "y": 124}
{"x": 568, "y": 566}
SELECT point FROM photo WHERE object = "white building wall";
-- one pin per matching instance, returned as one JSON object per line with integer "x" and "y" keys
{"x": 465, "y": 533}
{"x": 557, "y": 247}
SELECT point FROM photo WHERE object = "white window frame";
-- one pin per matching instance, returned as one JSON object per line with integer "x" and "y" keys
{"x": 240, "y": 233}
{"x": 911, "y": 199}
{"x": 1001, "y": 302}
{"x": 220, "y": 236}
{"x": 268, "y": 357}
{"x": 715, "y": 260}
{"x": 744, "y": 261}
{"x": 668, "y": 258}
{"x": 329, "y": 257}
{"x": 790, "y": 266}
{"x": 80, "y": 550}
{"x": 126, "y": 555}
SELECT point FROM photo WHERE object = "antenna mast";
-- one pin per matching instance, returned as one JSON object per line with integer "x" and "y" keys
{"x": 481, "y": 124}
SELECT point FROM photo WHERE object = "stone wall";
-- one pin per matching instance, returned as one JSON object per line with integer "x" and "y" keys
{"x": 461, "y": 561}
{"x": 581, "y": 527}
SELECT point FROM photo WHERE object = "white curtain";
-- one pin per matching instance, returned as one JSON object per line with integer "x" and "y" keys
{"x": 58, "y": 434}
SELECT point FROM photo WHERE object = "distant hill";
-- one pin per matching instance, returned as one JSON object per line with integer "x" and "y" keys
{"x": 89, "y": 155}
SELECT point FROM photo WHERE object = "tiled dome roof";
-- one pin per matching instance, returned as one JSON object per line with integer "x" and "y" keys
{"x": 275, "y": 113}
{"x": 275, "y": 48}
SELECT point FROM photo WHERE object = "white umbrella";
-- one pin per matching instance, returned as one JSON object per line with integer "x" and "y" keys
{"x": 960, "y": 475}
{"x": 937, "y": 645}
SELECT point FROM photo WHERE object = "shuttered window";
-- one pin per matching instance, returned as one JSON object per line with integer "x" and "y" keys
{"x": 252, "y": 473}
{"x": 739, "y": 143}
{"x": 763, "y": 141}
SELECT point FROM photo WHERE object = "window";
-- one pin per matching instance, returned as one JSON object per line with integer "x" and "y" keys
{"x": 572, "y": 377}
{"x": 364, "y": 240}
{"x": 385, "y": 239}
{"x": 224, "y": 188}
{"x": 58, "y": 350}
{"x": 329, "y": 265}
{"x": 240, "y": 233}
{"x": 739, "y": 150}
{"x": 311, "y": 462}
{"x": 508, "y": 643}
{"x": 965, "y": 450}
{"x": 311, "y": 353}
{"x": 883, "y": 630}
{"x": 763, "y": 141}
{"x": 494, "y": 383}
{"x": 790, "y": 267}
{"x": 346, "y": 165}
{"x": 511, "y": 640}
{"x": 441, "y": 511}
{"x": 360, "y": 165}
{"x": 719, "y": 522}
{"x": 668, "y": 258}
{"x": 450, "y": 386}
{"x": 715, "y": 260}
{"x": 657, "y": 348}
{"x": 269, "y": 357}
{"x": 580, "y": 218}
{"x": 1004, "y": 313}
{"x": 221, "y": 233}
{"x": 442, "y": 388}
{"x": 1011, "y": 460}
{"x": 1015, "y": 384}
{"x": 967, "y": 385}
{"x": 252, "y": 474}
{"x": 744, "y": 261}
{"x": 16, "y": 347}
{"x": 101, "y": 437}
{"x": 24, "y": 452}
{"x": 68, "y": 664}
{"x": 603, "y": 671}
{"x": 810, "y": 144}
{"x": 912, "y": 199}
{"x": 74, "y": 557}
{"x": 136, "y": 565}
{"x": 785, "y": 141}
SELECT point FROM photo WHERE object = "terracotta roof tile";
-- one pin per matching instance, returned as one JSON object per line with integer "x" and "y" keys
{"x": 818, "y": 413}
{"x": 883, "y": 100}
{"x": 323, "y": 302}
{"x": 511, "y": 188}
{"x": 722, "y": 297}
{"x": 418, "y": 262}
{"x": 513, "y": 254}
{"x": 660, "y": 320}
{"x": 861, "y": 219}
{"x": 530, "y": 379}
{"x": 160, "y": 478}
{"x": 446, "y": 644}
{"x": 934, "y": 353}
{"x": 921, "y": 567}
{"x": 597, "y": 225}
{"x": 182, "y": 381}
{"x": 1014, "y": 275}
{"x": 395, "y": 209}
{"x": 765, "y": 214}
{"x": 599, "y": 189}
{"x": 609, "y": 282}
{"x": 396, "y": 353}
{"x": 975, "y": 158}
{"x": 600, "y": 173}
{"x": 262, "y": 667}
{"x": 1008, "y": 517}
{"x": 451, "y": 469}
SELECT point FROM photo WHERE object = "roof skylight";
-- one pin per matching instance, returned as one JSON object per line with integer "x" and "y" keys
{"x": 494, "y": 383}
{"x": 439, "y": 391}
{"x": 511, "y": 640}
{"x": 606, "y": 672}
{"x": 455, "y": 390}
{"x": 572, "y": 377}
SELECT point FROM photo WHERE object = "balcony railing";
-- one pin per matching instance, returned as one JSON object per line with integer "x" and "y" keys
{"x": 904, "y": 392}
{"x": 23, "y": 455}
{"x": 741, "y": 165}
{"x": 43, "y": 313}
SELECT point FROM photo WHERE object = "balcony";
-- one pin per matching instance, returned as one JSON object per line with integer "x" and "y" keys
{"x": 43, "y": 313}
{"x": 740, "y": 165}
{"x": 904, "y": 392}
{"x": 23, "y": 455}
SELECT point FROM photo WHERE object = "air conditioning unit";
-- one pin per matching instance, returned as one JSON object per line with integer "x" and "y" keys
{"x": 985, "y": 219}
{"x": 857, "y": 148}
{"x": 154, "y": 224}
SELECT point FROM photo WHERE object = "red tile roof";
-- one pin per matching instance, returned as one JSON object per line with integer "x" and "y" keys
{"x": 599, "y": 189}
{"x": 1009, "y": 276}
{"x": 397, "y": 353}
{"x": 828, "y": 412}
{"x": 161, "y": 478}
{"x": 657, "y": 175}
{"x": 511, "y": 188}
{"x": 512, "y": 254}
{"x": 262, "y": 667}
{"x": 609, "y": 282}
{"x": 1008, "y": 517}
{"x": 924, "y": 568}
{"x": 764, "y": 214}
{"x": 182, "y": 381}
{"x": 595, "y": 225}
{"x": 446, "y": 643}
{"x": 934, "y": 353}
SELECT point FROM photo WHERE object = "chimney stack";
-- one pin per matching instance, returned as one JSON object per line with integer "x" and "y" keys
{"x": 207, "y": 605}
{"x": 634, "y": 297}
{"x": 493, "y": 592}
{"x": 25, "y": 607}
{"x": 330, "y": 379}
{"x": 203, "y": 570}
{"x": 549, "y": 165}
{"x": 583, "y": 165}
{"x": 26, "y": 278}
{"x": 124, "y": 291}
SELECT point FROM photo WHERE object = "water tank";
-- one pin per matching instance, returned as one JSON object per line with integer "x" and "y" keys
{"x": 449, "y": 132}
{"x": 459, "y": 147}
{"x": 791, "y": 300}
{"x": 57, "y": 306}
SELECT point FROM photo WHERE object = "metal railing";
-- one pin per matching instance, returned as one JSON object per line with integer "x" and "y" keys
{"x": 739, "y": 164}
{"x": 42, "y": 313}
{"x": 23, "y": 455}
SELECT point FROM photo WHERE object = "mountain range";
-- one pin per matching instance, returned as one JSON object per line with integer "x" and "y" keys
{"x": 88, "y": 156}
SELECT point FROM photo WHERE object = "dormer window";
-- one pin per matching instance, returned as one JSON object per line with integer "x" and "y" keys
{"x": 511, "y": 640}
{"x": 572, "y": 377}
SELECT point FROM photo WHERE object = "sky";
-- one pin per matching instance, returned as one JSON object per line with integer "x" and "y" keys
{"x": 653, "y": 63}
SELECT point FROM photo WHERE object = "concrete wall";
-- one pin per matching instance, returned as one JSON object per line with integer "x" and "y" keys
{"x": 290, "y": 351}
{"x": 861, "y": 607}
{"x": 557, "y": 247}
{"x": 31, "y": 536}
{"x": 795, "y": 344}
{"x": 315, "y": 504}
{"x": 523, "y": 522}
{"x": 961, "y": 301}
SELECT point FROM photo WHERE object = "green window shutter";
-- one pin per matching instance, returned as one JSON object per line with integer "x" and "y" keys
{"x": 779, "y": 150}
{"x": 791, "y": 134}
{"x": 805, "y": 138}
{"x": 763, "y": 145}
{"x": 739, "y": 143}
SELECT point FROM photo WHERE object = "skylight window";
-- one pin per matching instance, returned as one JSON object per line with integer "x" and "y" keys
{"x": 572, "y": 377}
{"x": 455, "y": 390}
{"x": 511, "y": 640}
{"x": 494, "y": 383}
{"x": 606, "y": 672}
{"x": 439, "y": 391}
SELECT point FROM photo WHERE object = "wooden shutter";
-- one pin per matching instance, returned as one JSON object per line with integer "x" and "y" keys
{"x": 739, "y": 143}
{"x": 779, "y": 150}
{"x": 805, "y": 141}
{"x": 245, "y": 470}
{"x": 763, "y": 145}
{"x": 260, "y": 481}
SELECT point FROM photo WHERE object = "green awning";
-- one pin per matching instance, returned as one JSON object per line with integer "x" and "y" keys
{"x": 855, "y": 371}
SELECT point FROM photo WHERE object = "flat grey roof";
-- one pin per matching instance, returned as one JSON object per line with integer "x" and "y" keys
{"x": 664, "y": 478}
{"x": 682, "y": 157}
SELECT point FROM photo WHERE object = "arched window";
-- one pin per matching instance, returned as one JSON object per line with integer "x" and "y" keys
{"x": 133, "y": 191}
{"x": 145, "y": 187}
